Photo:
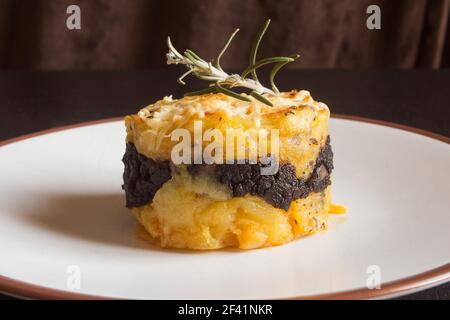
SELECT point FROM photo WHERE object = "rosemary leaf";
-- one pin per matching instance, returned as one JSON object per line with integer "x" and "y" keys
{"x": 230, "y": 93}
{"x": 172, "y": 48}
{"x": 192, "y": 58}
{"x": 225, "y": 48}
{"x": 180, "y": 79}
{"x": 206, "y": 77}
{"x": 261, "y": 98}
{"x": 194, "y": 55}
{"x": 263, "y": 62}
{"x": 255, "y": 47}
{"x": 200, "y": 92}
{"x": 274, "y": 71}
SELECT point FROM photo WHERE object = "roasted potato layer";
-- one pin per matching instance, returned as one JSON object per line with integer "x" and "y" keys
{"x": 199, "y": 213}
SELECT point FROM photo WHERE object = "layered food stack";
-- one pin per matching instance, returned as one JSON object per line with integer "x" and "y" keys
{"x": 210, "y": 206}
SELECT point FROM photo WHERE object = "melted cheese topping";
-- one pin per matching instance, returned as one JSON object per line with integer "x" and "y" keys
{"x": 165, "y": 113}
{"x": 153, "y": 124}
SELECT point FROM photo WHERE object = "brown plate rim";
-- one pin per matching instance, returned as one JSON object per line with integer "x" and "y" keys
{"x": 423, "y": 280}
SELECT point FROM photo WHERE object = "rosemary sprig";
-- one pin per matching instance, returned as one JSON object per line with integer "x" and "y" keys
{"x": 224, "y": 82}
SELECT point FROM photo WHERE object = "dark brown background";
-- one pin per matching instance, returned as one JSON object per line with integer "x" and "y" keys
{"x": 124, "y": 34}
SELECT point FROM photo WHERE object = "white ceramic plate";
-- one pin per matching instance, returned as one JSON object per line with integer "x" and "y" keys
{"x": 64, "y": 231}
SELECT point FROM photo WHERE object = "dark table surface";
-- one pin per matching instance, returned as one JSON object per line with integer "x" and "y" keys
{"x": 33, "y": 101}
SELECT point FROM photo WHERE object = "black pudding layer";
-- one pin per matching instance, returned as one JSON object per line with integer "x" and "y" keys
{"x": 142, "y": 177}
{"x": 280, "y": 189}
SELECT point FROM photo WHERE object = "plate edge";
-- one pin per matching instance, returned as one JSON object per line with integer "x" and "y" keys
{"x": 427, "y": 279}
